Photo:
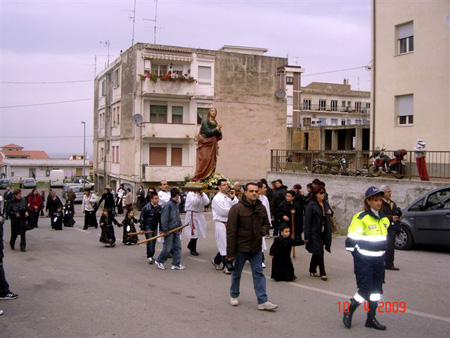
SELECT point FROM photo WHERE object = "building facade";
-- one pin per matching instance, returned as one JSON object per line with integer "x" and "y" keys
{"x": 410, "y": 79}
{"x": 149, "y": 104}
{"x": 332, "y": 116}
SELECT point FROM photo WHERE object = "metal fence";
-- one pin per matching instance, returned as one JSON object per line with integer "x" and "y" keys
{"x": 437, "y": 162}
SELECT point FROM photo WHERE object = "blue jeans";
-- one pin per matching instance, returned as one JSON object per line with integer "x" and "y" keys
{"x": 150, "y": 245}
{"x": 259, "y": 281}
{"x": 171, "y": 242}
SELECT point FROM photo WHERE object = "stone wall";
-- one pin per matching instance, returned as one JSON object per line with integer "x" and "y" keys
{"x": 346, "y": 194}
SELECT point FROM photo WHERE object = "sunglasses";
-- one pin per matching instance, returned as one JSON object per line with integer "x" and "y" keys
{"x": 321, "y": 193}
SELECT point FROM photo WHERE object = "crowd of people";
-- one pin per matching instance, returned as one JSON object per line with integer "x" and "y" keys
{"x": 244, "y": 218}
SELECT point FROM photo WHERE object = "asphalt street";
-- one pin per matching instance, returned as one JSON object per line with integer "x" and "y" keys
{"x": 71, "y": 285}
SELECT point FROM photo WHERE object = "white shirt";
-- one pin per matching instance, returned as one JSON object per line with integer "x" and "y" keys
{"x": 164, "y": 197}
{"x": 88, "y": 201}
{"x": 196, "y": 202}
{"x": 221, "y": 204}
{"x": 265, "y": 202}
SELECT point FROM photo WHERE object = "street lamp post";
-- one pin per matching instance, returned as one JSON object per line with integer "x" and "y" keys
{"x": 84, "y": 150}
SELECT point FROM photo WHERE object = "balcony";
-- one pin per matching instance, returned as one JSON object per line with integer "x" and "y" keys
{"x": 334, "y": 109}
{"x": 159, "y": 173}
{"x": 168, "y": 88}
{"x": 169, "y": 130}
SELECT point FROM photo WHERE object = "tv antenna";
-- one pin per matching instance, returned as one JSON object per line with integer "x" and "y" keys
{"x": 155, "y": 21}
{"x": 106, "y": 43}
{"x": 132, "y": 18}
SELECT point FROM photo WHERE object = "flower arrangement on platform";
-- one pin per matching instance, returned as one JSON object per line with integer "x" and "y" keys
{"x": 210, "y": 183}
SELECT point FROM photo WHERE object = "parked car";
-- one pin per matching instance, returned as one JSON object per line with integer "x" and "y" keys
{"x": 29, "y": 183}
{"x": 426, "y": 220}
{"x": 82, "y": 181}
{"x": 57, "y": 178}
{"x": 4, "y": 182}
{"x": 79, "y": 192}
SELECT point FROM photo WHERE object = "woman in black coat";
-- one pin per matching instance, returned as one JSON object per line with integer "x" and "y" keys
{"x": 317, "y": 230}
{"x": 53, "y": 203}
{"x": 108, "y": 198}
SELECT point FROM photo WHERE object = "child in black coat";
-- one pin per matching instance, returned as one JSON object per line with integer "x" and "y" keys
{"x": 129, "y": 226}
{"x": 58, "y": 219}
{"x": 280, "y": 251}
{"x": 107, "y": 222}
{"x": 68, "y": 214}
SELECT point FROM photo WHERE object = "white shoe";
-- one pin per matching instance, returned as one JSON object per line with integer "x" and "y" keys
{"x": 178, "y": 267}
{"x": 1, "y": 311}
{"x": 226, "y": 271}
{"x": 216, "y": 266}
{"x": 264, "y": 265}
{"x": 267, "y": 306}
{"x": 160, "y": 266}
{"x": 234, "y": 301}
{"x": 150, "y": 260}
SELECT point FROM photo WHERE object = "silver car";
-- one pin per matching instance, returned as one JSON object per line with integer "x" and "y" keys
{"x": 29, "y": 183}
{"x": 426, "y": 220}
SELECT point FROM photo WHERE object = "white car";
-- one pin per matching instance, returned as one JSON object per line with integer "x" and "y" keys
{"x": 29, "y": 183}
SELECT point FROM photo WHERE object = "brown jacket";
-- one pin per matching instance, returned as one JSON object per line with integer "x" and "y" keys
{"x": 247, "y": 224}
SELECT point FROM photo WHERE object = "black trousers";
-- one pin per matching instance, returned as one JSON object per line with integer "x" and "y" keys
{"x": 369, "y": 272}
{"x": 389, "y": 255}
{"x": 317, "y": 260}
{"x": 90, "y": 220}
{"x": 23, "y": 239}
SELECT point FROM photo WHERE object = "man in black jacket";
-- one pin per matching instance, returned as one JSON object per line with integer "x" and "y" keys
{"x": 278, "y": 196}
{"x": 17, "y": 212}
{"x": 247, "y": 224}
{"x": 5, "y": 293}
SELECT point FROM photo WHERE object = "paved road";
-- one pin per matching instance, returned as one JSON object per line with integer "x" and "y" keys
{"x": 70, "y": 285}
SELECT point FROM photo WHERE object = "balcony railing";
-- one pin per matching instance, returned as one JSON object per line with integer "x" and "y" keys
{"x": 169, "y": 130}
{"x": 335, "y": 109}
{"x": 437, "y": 162}
{"x": 168, "y": 87}
{"x": 168, "y": 173}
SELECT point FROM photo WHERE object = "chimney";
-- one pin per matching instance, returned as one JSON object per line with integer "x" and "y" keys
{"x": 346, "y": 81}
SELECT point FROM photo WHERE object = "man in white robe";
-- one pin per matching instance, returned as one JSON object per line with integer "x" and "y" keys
{"x": 195, "y": 205}
{"x": 221, "y": 204}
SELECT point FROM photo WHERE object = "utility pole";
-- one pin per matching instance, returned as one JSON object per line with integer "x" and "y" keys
{"x": 84, "y": 150}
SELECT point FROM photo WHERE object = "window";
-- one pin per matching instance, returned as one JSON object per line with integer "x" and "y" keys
{"x": 322, "y": 121}
{"x": 357, "y": 121}
{"x": 358, "y": 106}
{"x": 202, "y": 113}
{"x": 159, "y": 69}
{"x": 437, "y": 199}
{"x": 204, "y": 74}
{"x": 114, "y": 116}
{"x": 177, "y": 114}
{"x": 405, "y": 109}
{"x": 348, "y": 122}
{"x": 334, "y": 122}
{"x": 103, "y": 88}
{"x": 118, "y": 115}
{"x": 102, "y": 154}
{"x": 115, "y": 154}
{"x": 334, "y": 105}
{"x": 289, "y": 80}
{"x": 343, "y": 104}
{"x": 322, "y": 104}
{"x": 405, "y": 38}
{"x": 116, "y": 78}
{"x": 177, "y": 156}
{"x": 307, "y": 104}
{"x": 158, "y": 155}
{"x": 343, "y": 122}
{"x": 306, "y": 122}
{"x": 158, "y": 114}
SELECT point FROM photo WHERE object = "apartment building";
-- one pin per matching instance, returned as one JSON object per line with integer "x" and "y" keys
{"x": 332, "y": 116}
{"x": 411, "y": 67}
{"x": 150, "y": 101}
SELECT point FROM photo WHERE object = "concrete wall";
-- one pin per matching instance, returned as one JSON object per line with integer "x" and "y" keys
{"x": 253, "y": 119}
{"x": 423, "y": 73}
{"x": 346, "y": 194}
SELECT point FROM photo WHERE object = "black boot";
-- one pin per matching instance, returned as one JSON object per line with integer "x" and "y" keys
{"x": 348, "y": 316}
{"x": 371, "y": 321}
{"x": 192, "y": 246}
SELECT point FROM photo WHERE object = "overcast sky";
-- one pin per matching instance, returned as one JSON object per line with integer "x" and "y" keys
{"x": 58, "y": 40}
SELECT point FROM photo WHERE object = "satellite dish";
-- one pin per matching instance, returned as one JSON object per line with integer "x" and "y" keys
{"x": 280, "y": 93}
{"x": 137, "y": 118}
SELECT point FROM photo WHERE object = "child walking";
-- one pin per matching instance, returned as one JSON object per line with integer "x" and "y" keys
{"x": 106, "y": 224}
{"x": 58, "y": 219}
{"x": 280, "y": 251}
{"x": 128, "y": 224}
{"x": 68, "y": 214}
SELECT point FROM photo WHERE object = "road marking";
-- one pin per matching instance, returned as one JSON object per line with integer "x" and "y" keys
{"x": 198, "y": 259}
{"x": 341, "y": 295}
